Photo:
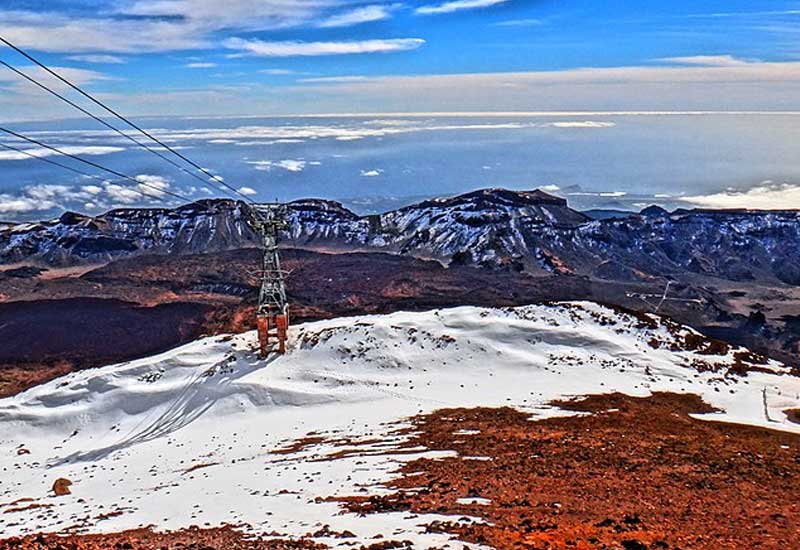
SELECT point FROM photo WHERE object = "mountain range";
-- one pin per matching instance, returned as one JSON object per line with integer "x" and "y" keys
{"x": 528, "y": 231}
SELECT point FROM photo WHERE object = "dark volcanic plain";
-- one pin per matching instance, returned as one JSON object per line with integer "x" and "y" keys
{"x": 56, "y": 320}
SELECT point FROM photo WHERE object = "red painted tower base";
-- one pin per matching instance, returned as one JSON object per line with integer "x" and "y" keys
{"x": 272, "y": 326}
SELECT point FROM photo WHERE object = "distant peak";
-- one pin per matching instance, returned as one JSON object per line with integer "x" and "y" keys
{"x": 535, "y": 196}
{"x": 72, "y": 218}
{"x": 654, "y": 211}
{"x": 497, "y": 196}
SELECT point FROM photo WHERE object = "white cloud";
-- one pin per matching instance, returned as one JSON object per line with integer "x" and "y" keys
{"x": 743, "y": 86}
{"x": 520, "y": 23}
{"x": 249, "y": 191}
{"x": 734, "y": 72}
{"x": 327, "y": 79}
{"x": 765, "y": 196}
{"x": 40, "y": 197}
{"x": 76, "y": 76}
{"x": 706, "y": 61}
{"x": 123, "y": 195}
{"x": 350, "y": 130}
{"x": 200, "y": 65}
{"x": 277, "y": 72}
{"x": 457, "y": 5}
{"x": 364, "y": 14}
{"x": 150, "y": 189}
{"x": 263, "y": 48}
{"x": 371, "y": 173}
{"x": 41, "y": 152}
{"x": 580, "y": 124}
{"x": 22, "y": 100}
{"x": 159, "y": 25}
{"x": 99, "y": 59}
{"x": 256, "y": 143}
{"x": 747, "y": 14}
{"x": 653, "y": 88}
{"x": 550, "y": 188}
{"x": 289, "y": 165}
{"x": 247, "y": 14}
{"x": 10, "y": 204}
{"x": 55, "y": 32}
{"x": 92, "y": 189}
{"x": 47, "y": 191}
{"x": 153, "y": 186}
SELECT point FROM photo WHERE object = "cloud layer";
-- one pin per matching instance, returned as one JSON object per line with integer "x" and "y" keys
{"x": 263, "y": 48}
{"x": 39, "y": 152}
{"x": 172, "y": 25}
{"x": 715, "y": 83}
{"x": 766, "y": 196}
{"x": 289, "y": 165}
{"x": 102, "y": 195}
{"x": 346, "y": 130}
{"x": 365, "y": 14}
{"x": 457, "y": 5}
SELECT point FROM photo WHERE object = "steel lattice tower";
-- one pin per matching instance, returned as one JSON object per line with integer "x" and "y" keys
{"x": 272, "y": 315}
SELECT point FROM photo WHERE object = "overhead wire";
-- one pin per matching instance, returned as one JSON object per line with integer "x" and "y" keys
{"x": 89, "y": 163}
{"x": 133, "y": 125}
{"x": 99, "y": 119}
{"x": 27, "y": 153}
{"x": 71, "y": 169}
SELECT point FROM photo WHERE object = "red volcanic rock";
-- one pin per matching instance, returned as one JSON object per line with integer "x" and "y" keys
{"x": 61, "y": 487}
{"x": 635, "y": 474}
{"x": 193, "y": 538}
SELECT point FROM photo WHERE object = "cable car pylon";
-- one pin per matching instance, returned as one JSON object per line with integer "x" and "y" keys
{"x": 272, "y": 315}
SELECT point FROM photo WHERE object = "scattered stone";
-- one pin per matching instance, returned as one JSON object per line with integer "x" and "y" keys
{"x": 61, "y": 487}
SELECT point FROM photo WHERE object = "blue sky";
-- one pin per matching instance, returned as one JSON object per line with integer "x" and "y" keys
{"x": 613, "y": 103}
{"x": 262, "y": 57}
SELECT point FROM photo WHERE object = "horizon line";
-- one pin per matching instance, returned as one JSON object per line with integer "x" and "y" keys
{"x": 465, "y": 114}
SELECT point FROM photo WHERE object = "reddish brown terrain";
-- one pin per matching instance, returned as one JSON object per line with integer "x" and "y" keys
{"x": 57, "y": 320}
{"x": 224, "y": 538}
{"x": 623, "y": 473}
{"x": 633, "y": 474}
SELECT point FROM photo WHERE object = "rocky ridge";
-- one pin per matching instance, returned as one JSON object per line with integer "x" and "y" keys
{"x": 496, "y": 228}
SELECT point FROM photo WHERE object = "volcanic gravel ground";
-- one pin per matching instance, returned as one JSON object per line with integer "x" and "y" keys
{"x": 635, "y": 474}
{"x": 224, "y": 538}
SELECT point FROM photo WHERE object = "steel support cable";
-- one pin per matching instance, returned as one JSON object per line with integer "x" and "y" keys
{"x": 124, "y": 119}
{"x": 100, "y": 120}
{"x": 90, "y": 163}
{"x": 70, "y": 168}
{"x": 53, "y": 162}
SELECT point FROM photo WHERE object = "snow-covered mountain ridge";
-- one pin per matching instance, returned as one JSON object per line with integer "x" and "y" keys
{"x": 530, "y": 231}
{"x": 186, "y": 437}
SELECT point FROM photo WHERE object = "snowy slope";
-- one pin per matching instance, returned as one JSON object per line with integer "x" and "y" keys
{"x": 187, "y": 437}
